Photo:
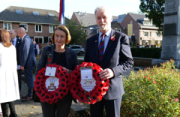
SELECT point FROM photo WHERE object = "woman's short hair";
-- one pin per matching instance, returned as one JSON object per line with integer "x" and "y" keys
{"x": 5, "y": 38}
{"x": 64, "y": 29}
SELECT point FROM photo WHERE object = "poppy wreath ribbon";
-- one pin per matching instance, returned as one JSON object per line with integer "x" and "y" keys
{"x": 63, "y": 84}
{"x": 96, "y": 94}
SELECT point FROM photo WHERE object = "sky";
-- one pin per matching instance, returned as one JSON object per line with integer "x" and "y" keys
{"x": 117, "y": 7}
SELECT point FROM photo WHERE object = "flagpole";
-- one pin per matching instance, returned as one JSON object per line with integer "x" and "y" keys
{"x": 61, "y": 12}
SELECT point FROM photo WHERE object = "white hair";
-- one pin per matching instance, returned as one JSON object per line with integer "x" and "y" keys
{"x": 102, "y": 8}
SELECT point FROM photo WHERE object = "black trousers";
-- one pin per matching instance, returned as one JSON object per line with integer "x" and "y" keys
{"x": 19, "y": 80}
{"x": 6, "y": 106}
{"x": 112, "y": 108}
{"x": 59, "y": 109}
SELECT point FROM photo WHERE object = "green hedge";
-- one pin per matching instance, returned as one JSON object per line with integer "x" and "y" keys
{"x": 146, "y": 52}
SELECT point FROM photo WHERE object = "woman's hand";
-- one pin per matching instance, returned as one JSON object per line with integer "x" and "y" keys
{"x": 67, "y": 69}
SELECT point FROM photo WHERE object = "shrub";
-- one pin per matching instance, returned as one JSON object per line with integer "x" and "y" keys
{"x": 152, "y": 92}
{"x": 146, "y": 52}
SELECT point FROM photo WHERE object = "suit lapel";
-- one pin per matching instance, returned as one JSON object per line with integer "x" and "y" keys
{"x": 110, "y": 43}
{"x": 67, "y": 52}
{"x": 52, "y": 51}
{"x": 17, "y": 42}
{"x": 96, "y": 46}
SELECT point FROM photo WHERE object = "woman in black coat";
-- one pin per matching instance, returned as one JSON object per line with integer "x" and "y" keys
{"x": 65, "y": 57}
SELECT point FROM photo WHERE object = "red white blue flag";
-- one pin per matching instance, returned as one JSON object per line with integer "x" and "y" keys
{"x": 61, "y": 12}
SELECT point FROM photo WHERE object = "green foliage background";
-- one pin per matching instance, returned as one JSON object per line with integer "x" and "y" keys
{"x": 154, "y": 10}
{"x": 153, "y": 92}
{"x": 78, "y": 35}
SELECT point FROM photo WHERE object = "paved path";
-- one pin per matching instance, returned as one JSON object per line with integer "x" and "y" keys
{"x": 33, "y": 109}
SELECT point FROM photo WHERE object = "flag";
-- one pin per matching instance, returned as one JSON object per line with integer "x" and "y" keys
{"x": 130, "y": 29}
{"x": 61, "y": 12}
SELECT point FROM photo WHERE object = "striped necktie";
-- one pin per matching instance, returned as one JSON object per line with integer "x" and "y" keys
{"x": 101, "y": 47}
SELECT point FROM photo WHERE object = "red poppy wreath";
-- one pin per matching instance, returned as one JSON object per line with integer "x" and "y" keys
{"x": 82, "y": 95}
{"x": 50, "y": 89}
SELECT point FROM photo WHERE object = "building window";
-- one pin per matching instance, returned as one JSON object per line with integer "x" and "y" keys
{"x": 19, "y": 12}
{"x": 7, "y": 26}
{"x": 118, "y": 29}
{"x": 146, "y": 34}
{"x": 158, "y": 34}
{"x": 50, "y": 14}
{"x": 91, "y": 31}
{"x": 38, "y": 28}
{"x": 87, "y": 32}
{"x": 25, "y": 26}
{"x": 97, "y": 30}
{"x": 35, "y": 13}
{"x": 147, "y": 22}
{"x": 51, "y": 29}
{"x": 39, "y": 39}
{"x": 49, "y": 39}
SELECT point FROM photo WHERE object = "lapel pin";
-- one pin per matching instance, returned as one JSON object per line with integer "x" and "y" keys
{"x": 113, "y": 38}
{"x": 95, "y": 40}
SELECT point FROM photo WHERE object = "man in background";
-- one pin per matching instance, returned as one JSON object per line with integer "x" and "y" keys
{"x": 36, "y": 48}
{"x": 16, "y": 42}
{"x": 27, "y": 60}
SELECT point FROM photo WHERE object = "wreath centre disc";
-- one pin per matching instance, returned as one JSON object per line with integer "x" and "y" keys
{"x": 52, "y": 83}
{"x": 88, "y": 84}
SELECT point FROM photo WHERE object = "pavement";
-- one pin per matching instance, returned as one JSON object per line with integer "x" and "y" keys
{"x": 33, "y": 109}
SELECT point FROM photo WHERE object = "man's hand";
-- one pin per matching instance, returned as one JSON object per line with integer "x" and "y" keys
{"x": 22, "y": 68}
{"x": 106, "y": 74}
{"x": 66, "y": 69}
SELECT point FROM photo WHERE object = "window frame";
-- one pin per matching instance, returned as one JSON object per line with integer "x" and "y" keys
{"x": 38, "y": 28}
{"x": 158, "y": 34}
{"x": 39, "y": 37}
{"x": 147, "y": 34}
{"x": 52, "y": 27}
{"x": 35, "y": 13}
{"x": 7, "y": 27}
{"x": 19, "y": 11}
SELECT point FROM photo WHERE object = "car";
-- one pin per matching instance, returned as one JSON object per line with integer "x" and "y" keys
{"x": 78, "y": 49}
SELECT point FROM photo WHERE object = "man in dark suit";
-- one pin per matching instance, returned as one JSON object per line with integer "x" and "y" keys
{"x": 112, "y": 52}
{"x": 16, "y": 42}
{"x": 27, "y": 60}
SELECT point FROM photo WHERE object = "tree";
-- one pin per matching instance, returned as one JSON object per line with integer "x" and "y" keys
{"x": 154, "y": 10}
{"x": 78, "y": 35}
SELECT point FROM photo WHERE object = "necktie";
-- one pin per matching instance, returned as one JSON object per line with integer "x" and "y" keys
{"x": 101, "y": 47}
{"x": 13, "y": 42}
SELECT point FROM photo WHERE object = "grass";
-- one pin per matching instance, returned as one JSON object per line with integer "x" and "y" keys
{"x": 80, "y": 56}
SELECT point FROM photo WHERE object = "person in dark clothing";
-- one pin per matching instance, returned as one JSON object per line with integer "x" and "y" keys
{"x": 65, "y": 57}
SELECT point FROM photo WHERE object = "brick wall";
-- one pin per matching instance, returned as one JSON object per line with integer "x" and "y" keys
{"x": 127, "y": 21}
{"x": 45, "y": 31}
{"x": 1, "y": 24}
{"x": 31, "y": 30}
{"x": 74, "y": 19}
{"x": 15, "y": 26}
{"x": 116, "y": 25}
